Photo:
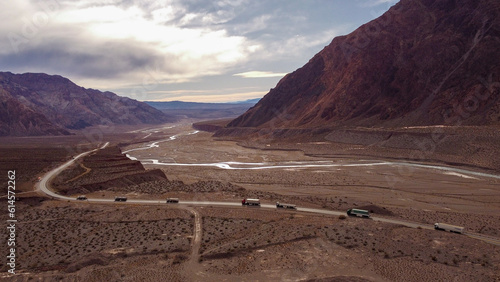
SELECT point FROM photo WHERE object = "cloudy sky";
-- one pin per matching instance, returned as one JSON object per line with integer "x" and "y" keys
{"x": 164, "y": 50}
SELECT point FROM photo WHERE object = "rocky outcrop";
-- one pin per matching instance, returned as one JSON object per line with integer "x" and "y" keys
{"x": 52, "y": 105}
{"x": 106, "y": 169}
{"x": 421, "y": 63}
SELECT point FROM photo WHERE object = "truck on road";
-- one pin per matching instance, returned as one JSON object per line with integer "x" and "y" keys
{"x": 120, "y": 199}
{"x": 81, "y": 198}
{"x": 172, "y": 200}
{"x": 449, "y": 228}
{"x": 358, "y": 212}
{"x": 285, "y": 206}
{"x": 250, "y": 202}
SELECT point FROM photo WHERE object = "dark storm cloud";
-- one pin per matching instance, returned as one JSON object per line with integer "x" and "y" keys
{"x": 103, "y": 60}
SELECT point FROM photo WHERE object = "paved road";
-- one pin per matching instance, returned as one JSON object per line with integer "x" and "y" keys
{"x": 44, "y": 186}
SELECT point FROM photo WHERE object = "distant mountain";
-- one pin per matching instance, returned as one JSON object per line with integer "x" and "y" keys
{"x": 202, "y": 110}
{"x": 180, "y": 105}
{"x": 41, "y": 104}
{"x": 249, "y": 101}
{"x": 424, "y": 62}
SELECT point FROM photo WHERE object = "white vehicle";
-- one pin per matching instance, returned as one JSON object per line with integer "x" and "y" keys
{"x": 172, "y": 200}
{"x": 285, "y": 206}
{"x": 358, "y": 212}
{"x": 449, "y": 228}
{"x": 250, "y": 202}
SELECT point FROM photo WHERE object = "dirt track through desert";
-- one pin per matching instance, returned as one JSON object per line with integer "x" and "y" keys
{"x": 192, "y": 266}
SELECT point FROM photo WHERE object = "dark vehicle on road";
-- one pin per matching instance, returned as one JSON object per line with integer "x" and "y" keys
{"x": 250, "y": 202}
{"x": 285, "y": 206}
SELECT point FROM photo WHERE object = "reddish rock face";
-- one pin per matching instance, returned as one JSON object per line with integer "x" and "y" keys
{"x": 421, "y": 63}
{"x": 40, "y": 104}
{"x": 17, "y": 119}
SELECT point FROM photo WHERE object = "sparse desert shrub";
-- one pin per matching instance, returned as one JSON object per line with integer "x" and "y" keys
{"x": 342, "y": 217}
{"x": 179, "y": 258}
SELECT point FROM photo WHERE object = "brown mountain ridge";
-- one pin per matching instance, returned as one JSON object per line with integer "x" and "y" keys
{"x": 34, "y": 104}
{"x": 421, "y": 63}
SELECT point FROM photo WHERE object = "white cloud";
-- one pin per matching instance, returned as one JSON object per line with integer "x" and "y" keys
{"x": 100, "y": 14}
{"x": 300, "y": 44}
{"x": 189, "y": 52}
{"x": 259, "y": 23}
{"x": 163, "y": 15}
{"x": 259, "y": 74}
{"x": 212, "y": 98}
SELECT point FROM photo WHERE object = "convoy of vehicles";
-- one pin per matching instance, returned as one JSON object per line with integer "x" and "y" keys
{"x": 250, "y": 202}
{"x": 350, "y": 212}
{"x": 285, "y": 206}
{"x": 358, "y": 212}
{"x": 449, "y": 228}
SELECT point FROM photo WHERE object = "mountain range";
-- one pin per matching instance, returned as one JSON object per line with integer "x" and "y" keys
{"x": 423, "y": 62}
{"x": 196, "y": 110}
{"x": 34, "y": 104}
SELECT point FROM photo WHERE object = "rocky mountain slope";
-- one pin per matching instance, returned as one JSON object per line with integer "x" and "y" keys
{"x": 421, "y": 63}
{"x": 41, "y": 104}
{"x": 18, "y": 119}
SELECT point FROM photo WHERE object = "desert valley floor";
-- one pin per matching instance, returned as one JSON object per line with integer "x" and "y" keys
{"x": 88, "y": 241}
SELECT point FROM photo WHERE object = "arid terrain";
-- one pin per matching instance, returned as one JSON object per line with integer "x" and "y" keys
{"x": 87, "y": 241}
{"x": 350, "y": 169}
